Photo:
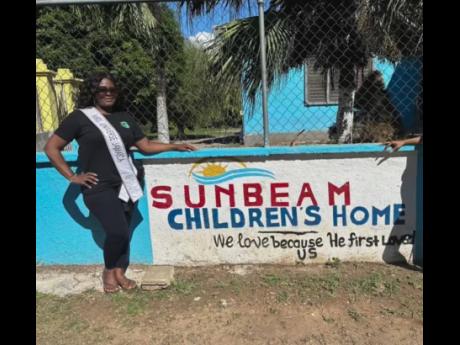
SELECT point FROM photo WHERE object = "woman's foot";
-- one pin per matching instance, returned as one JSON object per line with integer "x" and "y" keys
{"x": 109, "y": 281}
{"x": 125, "y": 283}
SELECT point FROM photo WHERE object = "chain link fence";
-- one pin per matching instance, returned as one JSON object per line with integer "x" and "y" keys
{"x": 337, "y": 71}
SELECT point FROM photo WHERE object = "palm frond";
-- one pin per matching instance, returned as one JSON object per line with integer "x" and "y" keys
{"x": 393, "y": 29}
{"x": 138, "y": 18}
{"x": 235, "y": 52}
{"x": 200, "y": 7}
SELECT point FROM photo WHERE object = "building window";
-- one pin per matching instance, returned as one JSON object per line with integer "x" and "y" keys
{"x": 320, "y": 89}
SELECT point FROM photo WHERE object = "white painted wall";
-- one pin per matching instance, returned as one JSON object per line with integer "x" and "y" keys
{"x": 373, "y": 183}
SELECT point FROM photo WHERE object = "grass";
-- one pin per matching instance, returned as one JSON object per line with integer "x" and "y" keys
{"x": 318, "y": 286}
{"x": 282, "y": 297}
{"x": 183, "y": 287}
{"x": 132, "y": 303}
{"x": 388, "y": 311}
{"x": 273, "y": 310}
{"x": 271, "y": 280}
{"x": 77, "y": 325}
{"x": 53, "y": 304}
{"x": 334, "y": 263}
{"x": 39, "y": 297}
{"x": 354, "y": 314}
{"x": 162, "y": 294}
{"x": 180, "y": 287}
{"x": 234, "y": 285}
{"x": 376, "y": 284}
{"x": 330, "y": 283}
{"x": 327, "y": 319}
{"x": 304, "y": 288}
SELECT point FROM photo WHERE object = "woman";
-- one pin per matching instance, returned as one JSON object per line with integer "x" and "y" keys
{"x": 108, "y": 178}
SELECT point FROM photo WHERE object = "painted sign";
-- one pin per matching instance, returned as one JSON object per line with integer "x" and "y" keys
{"x": 281, "y": 211}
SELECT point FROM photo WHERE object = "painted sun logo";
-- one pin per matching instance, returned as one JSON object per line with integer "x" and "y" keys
{"x": 210, "y": 172}
{"x": 212, "y": 169}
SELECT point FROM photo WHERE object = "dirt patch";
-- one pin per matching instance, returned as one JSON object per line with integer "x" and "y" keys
{"x": 339, "y": 303}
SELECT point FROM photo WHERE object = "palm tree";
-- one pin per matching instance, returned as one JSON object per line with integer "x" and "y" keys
{"x": 340, "y": 35}
{"x": 147, "y": 22}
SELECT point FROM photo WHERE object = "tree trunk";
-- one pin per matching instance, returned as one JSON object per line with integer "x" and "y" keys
{"x": 347, "y": 89}
{"x": 162, "y": 110}
{"x": 345, "y": 116}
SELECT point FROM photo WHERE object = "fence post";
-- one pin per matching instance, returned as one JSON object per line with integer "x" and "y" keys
{"x": 263, "y": 65}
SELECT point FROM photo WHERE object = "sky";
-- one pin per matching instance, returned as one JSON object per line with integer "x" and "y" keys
{"x": 201, "y": 27}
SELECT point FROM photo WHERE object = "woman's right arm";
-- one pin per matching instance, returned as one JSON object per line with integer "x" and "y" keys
{"x": 53, "y": 149}
{"x": 395, "y": 145}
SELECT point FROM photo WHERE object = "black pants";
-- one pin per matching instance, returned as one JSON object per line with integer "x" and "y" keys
{"x": 114, "y": 216}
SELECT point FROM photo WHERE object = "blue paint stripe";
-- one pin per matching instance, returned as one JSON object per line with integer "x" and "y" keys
{"x": 208, "y": 181}
{"x": 250, "y": 151}
{"x": 235, "y": 172}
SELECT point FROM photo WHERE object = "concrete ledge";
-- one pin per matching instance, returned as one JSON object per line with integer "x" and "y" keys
{"x": 250, "y": 151}
{"x": 157, "y": 277}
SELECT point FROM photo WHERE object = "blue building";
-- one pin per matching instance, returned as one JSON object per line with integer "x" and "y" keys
{"x": 303, "y": 101}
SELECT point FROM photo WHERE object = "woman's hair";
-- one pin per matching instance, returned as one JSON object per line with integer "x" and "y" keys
{"x": 88, "y": 91}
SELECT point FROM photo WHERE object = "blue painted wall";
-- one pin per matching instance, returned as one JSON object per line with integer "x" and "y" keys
{"x": 404, "y": 88}
{"x": 65, "y": 232}
{"x": 386, "y": 68}
{"x": 287, "y": 111}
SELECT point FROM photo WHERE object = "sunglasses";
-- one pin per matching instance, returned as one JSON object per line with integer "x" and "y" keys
{"x": 106, "y": 90}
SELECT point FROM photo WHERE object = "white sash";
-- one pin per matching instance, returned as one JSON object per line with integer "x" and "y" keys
{"x": 130, "y": 188}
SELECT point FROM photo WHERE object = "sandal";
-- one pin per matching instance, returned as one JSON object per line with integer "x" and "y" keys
{"x": 128, "y": 284}
{"x": 109, "y": 287}
{"x": 125, "y": 283}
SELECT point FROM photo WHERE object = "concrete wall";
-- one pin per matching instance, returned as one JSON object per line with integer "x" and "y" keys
{"x": 67, "y": 234}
